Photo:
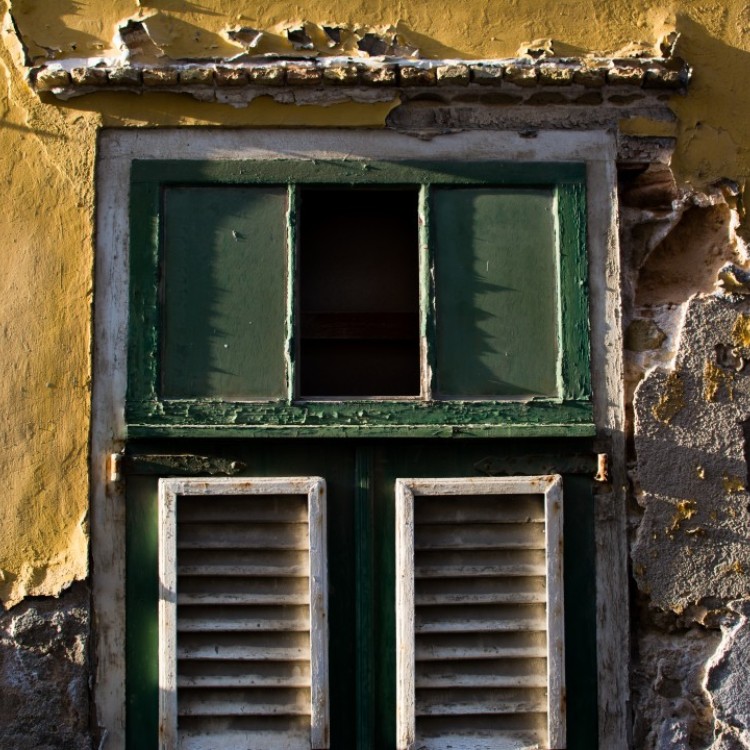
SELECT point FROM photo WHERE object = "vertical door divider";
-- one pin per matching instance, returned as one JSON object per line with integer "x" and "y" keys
{"x": 292, "y": 343}
{"x": 427, "y": 333}
{"x": 365, "y": 635}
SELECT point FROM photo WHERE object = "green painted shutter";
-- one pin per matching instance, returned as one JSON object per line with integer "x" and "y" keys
{"x": 224, "y": 305}
{"x": 496, "y": 293}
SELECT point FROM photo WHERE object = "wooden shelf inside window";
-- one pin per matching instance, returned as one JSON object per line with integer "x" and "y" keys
{"x": 369, "y": 326}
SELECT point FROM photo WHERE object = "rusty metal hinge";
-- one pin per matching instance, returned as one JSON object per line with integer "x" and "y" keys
{"x": 114, "y": 467}
{"x": 602, "y": 468}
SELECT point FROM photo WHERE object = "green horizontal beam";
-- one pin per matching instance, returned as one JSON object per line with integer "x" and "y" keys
{"x": 354, "y": 172}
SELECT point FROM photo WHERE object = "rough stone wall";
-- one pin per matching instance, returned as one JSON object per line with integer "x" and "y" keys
{"x": 688, "y": 345}
{"x": 44, "y": 673}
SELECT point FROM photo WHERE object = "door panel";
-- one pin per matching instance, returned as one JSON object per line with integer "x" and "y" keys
{"x": 360, "y": 477}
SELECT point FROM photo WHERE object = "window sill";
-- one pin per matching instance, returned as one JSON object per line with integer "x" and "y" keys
{"x": 365, "y": 418}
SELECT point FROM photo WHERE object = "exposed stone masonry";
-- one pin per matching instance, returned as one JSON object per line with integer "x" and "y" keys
{"x": 44, "y": 673}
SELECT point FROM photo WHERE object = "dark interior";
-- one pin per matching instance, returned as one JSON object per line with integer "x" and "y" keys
{"x": 358, "y": 260}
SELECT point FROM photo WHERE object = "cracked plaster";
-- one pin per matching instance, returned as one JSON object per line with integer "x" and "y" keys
{"x": 692, "y": 540}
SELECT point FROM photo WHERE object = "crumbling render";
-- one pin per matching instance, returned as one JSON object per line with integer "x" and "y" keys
{"x": 579, "y": 80}
{"x": 687, "y": 310}
{"x": 728, "y": 680}
{"x": 326, "y": 64}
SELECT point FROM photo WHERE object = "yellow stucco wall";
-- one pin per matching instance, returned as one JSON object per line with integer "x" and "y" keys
{"x": 46, "y": 213}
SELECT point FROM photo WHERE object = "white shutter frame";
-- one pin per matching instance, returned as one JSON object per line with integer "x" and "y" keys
{"x": 406, "y": 489}
{"x": 315, "y": 490}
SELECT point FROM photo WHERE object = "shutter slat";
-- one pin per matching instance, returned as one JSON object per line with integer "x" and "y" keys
{"x": 438, "y": 653}
{"x": 478, "y": 626}
{"x": 223, "y": 733}
{"x": 244, "y": 653}
{"x": 481, "y": 617}
{"x": 237, "y": 618}
{"x": 508, "y": 740}
{"x": 465, "y": 563}
{"x": 259, "y": 563}
{"x": 265, "y": 702}
{"x": 481, "y": 681}
{"x": 237, "y": 674}
{"x": 274, "y": 509}
{"x": 246, "y": 571}
{"x": 470, "y": 509}
{"x": 222, "y": 599}
{"x": 475, "y": 571}
{"x": 270, "y": 536}
{"x": 248, "y": 680}
{"x": 489, "y": 598}
{"x": 463, "y": 708}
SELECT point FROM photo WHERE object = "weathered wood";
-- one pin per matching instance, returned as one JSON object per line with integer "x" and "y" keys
{"x": 474, "y": 651}
{"x": 243, "y": 598}
{"x": 241, "y": 652}
{"x": 569, "y": 463}
{"x": 362, "y": 418}
{"x": 516, "y": 588}
{"x": 503, "y": 740}
{"x": 239, "y": 536}
{"x": 187, "y": 464}
{"x": 217, "y": 735}
{"x": 250, "y": 563}
{"x": 482, "y": 706}
{"x": 232, "y": 618}
{"x": 481, "y": 509}
{"x": 476, "y": 537}
{"x": 487, "y": 598}
{"x": 478, "y": 619}
{"x": 273, "y": 509}
{"x": 239, "y": 702}
{"x": 491, "y": 680}
{"x": 243, "y": 674}
{"x": 475, "y": 563}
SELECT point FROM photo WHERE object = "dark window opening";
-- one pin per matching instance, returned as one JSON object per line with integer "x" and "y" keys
{"x": 358, "y": 256}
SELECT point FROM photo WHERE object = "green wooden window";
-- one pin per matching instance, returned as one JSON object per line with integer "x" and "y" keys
{"x": 358, "y": 298}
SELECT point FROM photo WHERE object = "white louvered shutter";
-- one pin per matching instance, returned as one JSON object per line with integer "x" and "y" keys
{"x": 479, "y": 610}
{"x": 242, "y": 615}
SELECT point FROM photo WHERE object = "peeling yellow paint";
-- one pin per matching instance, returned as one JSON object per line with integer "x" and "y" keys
{"x": 684, "y": 511}
{"x": 732, "y": 484}
{"x": 644, "y": 126}
{"x": 672, "y": 399}
{"x": 47, "y": 219}
{"x": 713, "y": 379}
{"x": 734, "y": 568}
{"x": 741, "y": 331}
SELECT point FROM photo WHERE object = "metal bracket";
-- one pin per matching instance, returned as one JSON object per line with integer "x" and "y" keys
{"x": 114, "y": 467}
